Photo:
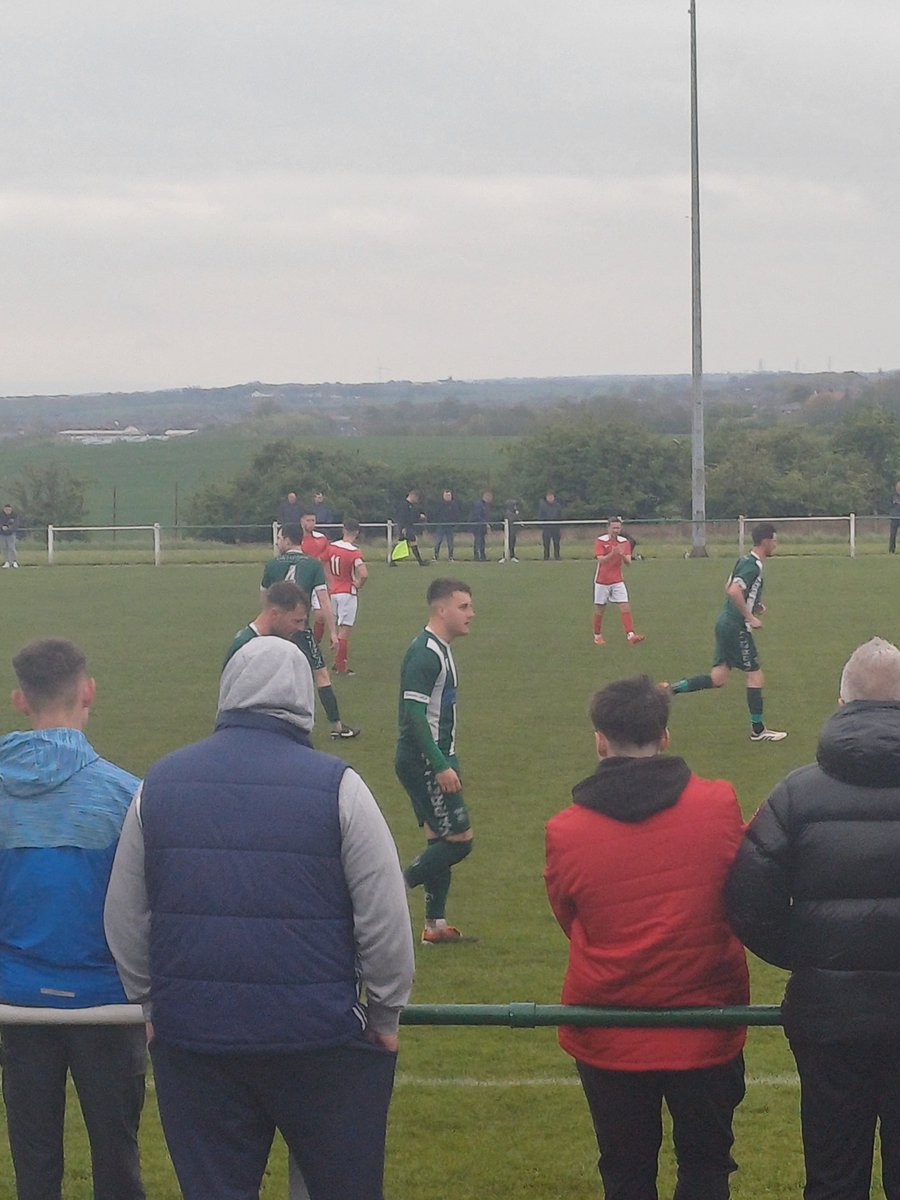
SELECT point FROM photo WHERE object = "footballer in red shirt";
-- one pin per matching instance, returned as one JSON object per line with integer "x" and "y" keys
{"x": 612, "y": 551}
{"x": 346, "y": 573}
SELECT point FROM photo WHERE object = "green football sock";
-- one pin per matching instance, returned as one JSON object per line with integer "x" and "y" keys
{"x": 330, "y": 704}
{"x": 437, "y": 857}
{"x": 755, "y": 704}
{"x": 694, "y": 683}
{"x": 436, "y": 891}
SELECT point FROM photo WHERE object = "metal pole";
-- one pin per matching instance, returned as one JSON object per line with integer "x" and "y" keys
{"x": 49, "y": 545}
{"x": 156, "y": 545}
{"x": 698, "y": 464}
{"x": 853, "y": 535}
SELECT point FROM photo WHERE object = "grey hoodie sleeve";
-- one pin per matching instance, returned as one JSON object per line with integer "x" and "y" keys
{"x": 126, "y": 916}
{"x": 380, "y": 914}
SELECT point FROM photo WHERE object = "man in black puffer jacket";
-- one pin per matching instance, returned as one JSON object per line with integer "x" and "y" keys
{"x": 815, "y": 888}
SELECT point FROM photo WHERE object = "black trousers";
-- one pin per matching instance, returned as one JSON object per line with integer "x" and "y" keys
{"x": 107, "y": 1063}
{"x": 220, "y": 1112}
{"x": 892, "y": 542}
{"x": 548, "y": 536}
{"x": 626, "y": 1108}
{"x": 846, "y": 1088}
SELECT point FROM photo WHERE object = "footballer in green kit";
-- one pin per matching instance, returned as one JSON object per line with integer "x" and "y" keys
{"x": 735, "y": 647}
{"x": 426, "y": 761}
{"x": 308, "y": 573}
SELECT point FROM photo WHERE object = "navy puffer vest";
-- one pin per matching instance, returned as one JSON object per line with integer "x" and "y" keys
{"x": 251, "y": 939}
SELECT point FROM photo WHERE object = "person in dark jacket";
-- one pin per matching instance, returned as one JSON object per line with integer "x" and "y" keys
{"x": 815, "y": 889}
{"x": 9, "y": 527}
{"x": 550, "y": 511}
{"x": 447, "y": 515}
{"x": 256, "y": 884}
{"x": 635, "y": 868}
{"x": 289, "y": 510}
{"x": 408, "y": 514}
{"x": 893, "y": 504}
{"x": 480, "y": 522}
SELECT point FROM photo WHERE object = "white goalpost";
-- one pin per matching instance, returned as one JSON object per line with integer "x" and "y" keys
{"x": 53, "y": 530}
{"x": 839, "y": 529}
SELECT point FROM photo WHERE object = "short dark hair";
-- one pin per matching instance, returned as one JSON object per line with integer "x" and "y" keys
{"x": 49, "y": 670}
{"x": 762, "y": 532}
{"x": 293, "y": 533}
{"x": 441, "y": 589}
{"x": 286, "y": 595}
{"x": 351, "y": 525}
{"x": 631, "y": 712}
{"x": 307, "y": 511}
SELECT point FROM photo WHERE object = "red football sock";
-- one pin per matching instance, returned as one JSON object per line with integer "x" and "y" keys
{"x": 340, "y": 662}
{"x": 627, "y": 623}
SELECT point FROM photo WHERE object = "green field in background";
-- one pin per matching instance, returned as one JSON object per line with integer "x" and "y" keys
{"x": 148, "y": 477}
{"x": 486, "y": 1114}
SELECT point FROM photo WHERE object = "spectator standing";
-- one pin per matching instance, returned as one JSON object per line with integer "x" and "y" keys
{"x": 550, "y": 512}
{"x": 290, "y": 510}
{"x": 323, "y": 510}
{"x": 256, "y": 883}
{"x": 480, "y": 520}
{"x": 61, "y": 811}
{"x": 447, "y": 516}
{"x": 513, "y": 515}
{"x": 9, "y": 527}
{"x": 895, "y": 517}
{"x": 408, "y": 514}
{"x": 815, "y": 889}
{"x": 635, "y": 869}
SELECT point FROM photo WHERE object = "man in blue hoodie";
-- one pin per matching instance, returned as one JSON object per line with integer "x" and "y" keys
{"x": 61, "y": 811}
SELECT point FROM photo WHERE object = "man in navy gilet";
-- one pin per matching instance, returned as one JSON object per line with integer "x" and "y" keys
{"x": 255, "y": 887}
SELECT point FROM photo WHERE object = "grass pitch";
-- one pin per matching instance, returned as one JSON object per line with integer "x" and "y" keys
{"x": 485, "y": 1113}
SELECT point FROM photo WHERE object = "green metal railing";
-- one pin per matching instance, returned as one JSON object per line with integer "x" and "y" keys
{"x": 526, "y": 1015}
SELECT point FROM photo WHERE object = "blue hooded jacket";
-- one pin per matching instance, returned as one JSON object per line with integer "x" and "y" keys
{"x": 61, "y": 811}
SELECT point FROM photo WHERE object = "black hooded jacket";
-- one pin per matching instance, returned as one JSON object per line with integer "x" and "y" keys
{"x": 815, "y": 886}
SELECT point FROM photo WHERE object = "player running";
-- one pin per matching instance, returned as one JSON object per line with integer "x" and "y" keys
{"x": 735, "y": 647}
{"x": 346, "y": 572}
{"x": 426, "y": 762}
{"x": 612, "y": 551}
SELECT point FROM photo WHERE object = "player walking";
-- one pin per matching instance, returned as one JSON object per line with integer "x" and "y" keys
{"x": 317, "y": 546}
{"x": 426, "y": 762}
{"x": 735, "y": 648}
{"x": 346, "y": 572}
{"x": 612, "y": 551}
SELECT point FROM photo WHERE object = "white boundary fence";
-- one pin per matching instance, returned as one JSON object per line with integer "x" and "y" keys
{"x": 52, "y": 530}
{"x": 744, "y": 522}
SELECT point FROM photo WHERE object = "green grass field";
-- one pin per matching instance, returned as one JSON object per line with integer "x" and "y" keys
{"x": 481, "y": 1114}
{"x": 154, "y": 481}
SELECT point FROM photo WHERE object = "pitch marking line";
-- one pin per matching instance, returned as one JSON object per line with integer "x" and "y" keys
{"x": 545, "y": 1081}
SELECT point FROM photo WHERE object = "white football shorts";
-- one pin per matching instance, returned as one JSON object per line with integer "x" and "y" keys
{"x": 606, "y": 593}
{"x": 345, "y": 607}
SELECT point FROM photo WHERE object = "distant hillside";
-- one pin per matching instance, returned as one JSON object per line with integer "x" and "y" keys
{"x": 358, "y": 407}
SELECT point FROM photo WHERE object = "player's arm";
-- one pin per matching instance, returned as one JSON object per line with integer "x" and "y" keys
{"x": 327, "y": 612}
{"x": 735, "y": 591}
{"x": 415, "y": 718}
{"x": 360, "y": 573}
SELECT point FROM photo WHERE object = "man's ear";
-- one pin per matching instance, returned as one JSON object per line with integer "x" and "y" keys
{"x": 88, "y": 692}
{"x": 602, "y": 744}
{"x": 664, "y": 741}
{"x": 20, "y": 703}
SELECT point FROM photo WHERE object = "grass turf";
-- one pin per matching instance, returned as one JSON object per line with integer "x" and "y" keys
{"x": 496, "y": 1111}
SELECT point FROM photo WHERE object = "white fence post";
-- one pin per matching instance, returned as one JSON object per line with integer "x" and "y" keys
{"x": 156, "y": 545}
{"x": 49, "y": 545}
{"x": 390, "y": 537}
{"x": 853, "y": 535}
{"x": 740, "y": 535}
{"x": 275, "y": 528}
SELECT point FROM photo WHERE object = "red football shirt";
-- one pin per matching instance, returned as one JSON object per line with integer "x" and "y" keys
{"x": 316, "y": 545}
{"x": 610, "y": 549}
{"x": 340, "y": 566}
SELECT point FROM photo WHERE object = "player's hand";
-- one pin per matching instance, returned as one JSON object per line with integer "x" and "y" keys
{"x": 754, "y": 622}
{"x": 448, "y": 781}
{"x": 759, "y": 609}
{"x": 333, "y": 639}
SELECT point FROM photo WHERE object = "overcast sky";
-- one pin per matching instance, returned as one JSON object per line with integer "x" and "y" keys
{"x": 198, "y": 193}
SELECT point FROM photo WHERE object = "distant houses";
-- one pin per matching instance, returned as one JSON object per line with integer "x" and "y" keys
{"x": 131, "y": 433}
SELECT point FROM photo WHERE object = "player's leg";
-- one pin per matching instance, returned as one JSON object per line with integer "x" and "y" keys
{"x": 345, "y": 609}
{"x": 727, "y": 654}
{"x": 619, "y": 594}
{"x": 601, "y": 595}
{"x": 750, "y": 665}
{"x": 449, "y": 839}
{"x": 317, "y": 617}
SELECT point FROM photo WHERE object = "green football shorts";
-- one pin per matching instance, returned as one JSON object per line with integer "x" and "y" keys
{"x": 305, "y": 642}
{"x": 444, "y": 813}
{"x": 735, "y": 646}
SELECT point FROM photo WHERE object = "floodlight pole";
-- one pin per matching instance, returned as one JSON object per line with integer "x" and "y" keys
{"x": 698, "y": 464}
